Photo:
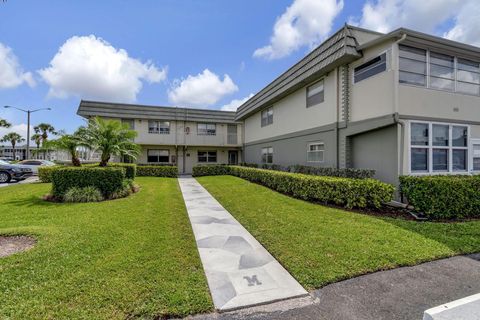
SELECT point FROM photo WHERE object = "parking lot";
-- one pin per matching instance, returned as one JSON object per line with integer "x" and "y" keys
{"x": 12, "y": 183}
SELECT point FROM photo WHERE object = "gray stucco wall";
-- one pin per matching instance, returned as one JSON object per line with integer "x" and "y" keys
{"x": 292, "y": 149}
{"x": 377, "y": 150}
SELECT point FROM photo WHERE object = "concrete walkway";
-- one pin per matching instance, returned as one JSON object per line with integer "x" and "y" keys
{"x": 240, "y": 272}
{"x": 398, "y": 294}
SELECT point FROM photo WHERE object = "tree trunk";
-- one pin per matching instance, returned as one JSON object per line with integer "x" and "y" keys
{"x": 104, "y": 161}
{"x": 76, "y": 162}
{"x": 13, "y": 150}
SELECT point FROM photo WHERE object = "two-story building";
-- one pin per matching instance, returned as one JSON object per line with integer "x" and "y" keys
{"x": 400, "y": 103}
{"x": 177, "y": 136}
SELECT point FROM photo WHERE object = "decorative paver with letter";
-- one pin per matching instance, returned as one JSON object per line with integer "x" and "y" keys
{"x": 240, "y": 271}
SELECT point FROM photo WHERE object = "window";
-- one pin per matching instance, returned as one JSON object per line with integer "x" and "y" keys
{"x": 444, "y": 72}
{"x": 441, "y": 71}
{"x": 206, "y": 129}
{"x": 267, "y": 155}
{"x": 156, "y": 155}
{"x": 468, "y": 76}
{"x": 315, "y": 152}
{"x": 413, "y": 65}
{"x": 315, "y": 94}
{"x": 207, "y": 156}
{"x": 130, "y": 123}
{"x": 159, "y": 127}
{"x": 476, "y": 156}
{"x": 436, "y": 147}
{"x": 370, "y": 68}
{"x": 267, "y": 116}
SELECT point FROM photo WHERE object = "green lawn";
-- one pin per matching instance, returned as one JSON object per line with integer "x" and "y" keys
{"x": 320, "y": 245}
{"x": 127, "y": 258}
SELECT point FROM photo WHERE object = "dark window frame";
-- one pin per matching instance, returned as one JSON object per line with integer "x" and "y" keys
{"x": 208, "y": 156}
{"x": 317, "y": 98}
{"x": 266, "y": 116}
{"x": 370, "y": 68}
{"x": 150, "y": 159}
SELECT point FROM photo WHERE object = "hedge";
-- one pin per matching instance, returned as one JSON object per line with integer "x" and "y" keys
{"x": 157, "y": 171}
{"x": 45, "y": 173}
{"x": 130, "y": 168}
{"x": 443, "y": 197}
{"x": 346, "y": 192}
{"x": 210, "y": 170}
{"x": 334, "y": 172}
{"x": 108, "y": 180}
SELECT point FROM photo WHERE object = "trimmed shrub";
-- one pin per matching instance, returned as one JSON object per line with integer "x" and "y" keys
{"x": 210, "y": 170}
{"x": 130, "y": 169}
{"x": 86, "y": 194}
{"x": 334, "y": 172}
{"x": 127, "y": 189}
{"x": 45, "y": 173}
{"x": 107, "y": 180}
{"x": 346, "y": 192}
{"x": 443, "y": 197}
{"x": 157, "y": 171}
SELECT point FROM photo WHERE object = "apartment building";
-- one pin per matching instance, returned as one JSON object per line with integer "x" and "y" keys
{"x": 400, "y": 103}
{"x": 176, "y": 136}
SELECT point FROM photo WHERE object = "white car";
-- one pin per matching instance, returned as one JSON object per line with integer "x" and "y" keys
{"x": 34, "y": 164}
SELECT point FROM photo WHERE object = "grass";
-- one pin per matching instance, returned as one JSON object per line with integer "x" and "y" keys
{"x": 320, "y": 245}
{"x": 129, "y": 258}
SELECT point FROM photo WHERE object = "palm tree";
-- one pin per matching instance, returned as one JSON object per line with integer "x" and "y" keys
{"x": 44, "y": 129}
{"x": 111, "y": 138}
{"x": 37, "y": 138}
{"x": 69, "y": 143}
{"x": 13, "y": 138}
{"x": 4, "y": 123}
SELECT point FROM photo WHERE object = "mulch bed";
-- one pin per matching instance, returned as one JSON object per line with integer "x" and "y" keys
{"x": 13, "y": 244}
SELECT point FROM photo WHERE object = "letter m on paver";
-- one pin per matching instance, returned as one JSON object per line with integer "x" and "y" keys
{"x": 252, "y": 281}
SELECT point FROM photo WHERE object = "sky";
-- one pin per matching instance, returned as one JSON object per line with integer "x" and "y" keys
{"x": 211, "y": 54}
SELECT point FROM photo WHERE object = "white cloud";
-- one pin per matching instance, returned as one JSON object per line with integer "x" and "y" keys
{"x": 235, "y": 103}
{"x": 201, "y": 90}
{"x": 21, "y": 129}
{"x": 305, "y": 22}
{"x": 11, "y": 73}
{"x": 427, "y": 16}
{"x": 91, "y": 68}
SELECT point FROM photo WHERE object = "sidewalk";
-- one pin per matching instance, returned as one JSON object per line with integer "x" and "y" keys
{"x": 240, "y": 272}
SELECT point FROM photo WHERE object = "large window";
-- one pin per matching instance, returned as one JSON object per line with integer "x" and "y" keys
{"x": 370, "y": 68}
{"x": 206, "y": 129}
{"x": 207, "y": 156}
{"x": 476, "y": 155}
{"x": 267, "y": 116}
{"x": 438, "y": 71}
{"x": 315, "y": 152}
{"x": 437, "y": 147}
{"x": 159, "y": 127}
{"x": 158, "y": 155}
{"x": 315, "y": 94}
{"x": 267, "y": 155}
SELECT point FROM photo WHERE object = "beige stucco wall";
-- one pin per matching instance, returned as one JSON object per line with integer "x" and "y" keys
{"x": 291, "y": 114}
{"x": 373, "y": 97}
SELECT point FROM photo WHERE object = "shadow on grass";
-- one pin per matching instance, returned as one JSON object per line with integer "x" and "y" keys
{"x": 32, "y": 201}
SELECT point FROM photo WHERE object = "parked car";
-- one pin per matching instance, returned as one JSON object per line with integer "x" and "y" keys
{"x": 34, "y": 164}
{"x": 16, "y": 172}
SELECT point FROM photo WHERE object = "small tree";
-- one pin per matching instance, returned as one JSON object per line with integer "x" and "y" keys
{"x": 111, "y": 138}
{"x": 13, "y": 138}
{"x": 69, "y": 143}
{"x": 4, "y": 123}
{"x": 37, "y": 138}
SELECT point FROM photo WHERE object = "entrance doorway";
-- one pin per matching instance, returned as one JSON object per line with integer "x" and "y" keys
{"x": 232, "y": 157}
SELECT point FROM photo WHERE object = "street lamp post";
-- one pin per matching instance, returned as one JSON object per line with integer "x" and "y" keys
{"x": 28, "y": 112}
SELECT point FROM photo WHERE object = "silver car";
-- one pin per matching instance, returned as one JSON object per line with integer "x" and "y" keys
{"x": 34, "y": 164}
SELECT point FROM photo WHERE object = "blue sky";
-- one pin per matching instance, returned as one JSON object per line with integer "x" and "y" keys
{"x": 198, "y": 53}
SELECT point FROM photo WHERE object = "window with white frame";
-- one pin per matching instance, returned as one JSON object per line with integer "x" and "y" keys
{"x": 267, "y": 155}
{"x": 370, "y": 68}
{"x": 158, "y": 155}
{"x": 439, "y": 71}
{"x": 315, "y": 152}
{"x": 315, "y": 93}
{"x": 158, "y": 127}
{"x": 476, "y": 155}
{"x": 207, "y": 156}
{"x": 438, "y": 147}
{"x": 206, "y": 129}
{"x": 267, "y": 116}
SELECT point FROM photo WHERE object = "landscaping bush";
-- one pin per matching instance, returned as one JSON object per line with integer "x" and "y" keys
{"x": 346, "y": 192}
{"x": 128, "y": 187}
{"x": 210, "y": 170}
{"x": 157, "y": 171}
{"x": 107, "y": 179}
{"x": 334, "y": 172}
{"x": 45, "y": 173}
{"x": 86, "y": 194}
{"x": 443, "y": 197}
{"x": 130, "y": 169}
